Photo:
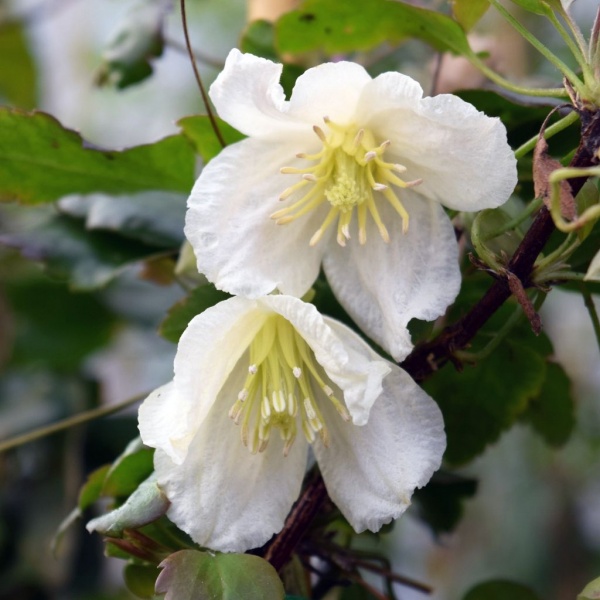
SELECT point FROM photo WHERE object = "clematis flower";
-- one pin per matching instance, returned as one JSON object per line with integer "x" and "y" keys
{"x": 256, "y": 382}
{"x": 352, "y": 173}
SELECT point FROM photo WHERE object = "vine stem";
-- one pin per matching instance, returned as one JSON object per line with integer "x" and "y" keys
{"x": 428, "y": 357}
{"x": 79, "y": 419}
{"x": 205, "y": 100}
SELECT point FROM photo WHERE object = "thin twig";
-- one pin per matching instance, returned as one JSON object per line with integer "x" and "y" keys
{"x": 79, "y": 419}
{"x": 205, "y": 100}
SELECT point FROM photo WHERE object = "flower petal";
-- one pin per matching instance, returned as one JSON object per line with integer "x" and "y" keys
{"x": 330, "y": 89}
{"x": 347, "y": 360}
{"x": 371, "y": 471}
{"x": 171, "y": 416}
{"x": 223, "y": 496}
{"x": 461, "y": 154}
{"x": 385, "y": 285}
{"x": 248, "y": 96}
{"x": 238, "y": 246}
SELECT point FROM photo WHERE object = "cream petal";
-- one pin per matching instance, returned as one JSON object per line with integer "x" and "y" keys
{"x": 171, "y": 416}
{"x": 346, "y": 359}
{"x": 247, "y": 95}
{"x": 238, "y": 246}
{"x": 385, "y": 285}
{"x": 223, "y": 496}
{"x": 329, "y": 89}
{"x": 461, "y": 154}
{"x": 371, "y": 471}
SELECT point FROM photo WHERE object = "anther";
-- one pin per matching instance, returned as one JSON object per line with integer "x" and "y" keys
{"x": 252, "y": 369}
{"x": 370, "y": 155}
{"x": 297, "y": 371}
{"x": 310, "y": 411}
{"x": 243, "y": 395}
{"x": 379, "y": 187}
{"x": 265, "y": 408}
{"x": 309, "y": 177}
{"x": 328, "y": 390}
{"x": 278, "y": 401}
{"x": 319, "y": 133}
{"x": 358, "y": 138}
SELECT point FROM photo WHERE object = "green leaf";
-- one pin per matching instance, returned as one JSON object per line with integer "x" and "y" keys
{"x": 129, "y": 470}
{"x": 17, "y": 69}
{"x": 552, "y": 412}
{"x": 468, "y": 12}
{"x": 440, "y": 502}
{"x": 154, "y": 218}
{"x": 140, "y": 580}
{"x": 42, "y": 161}
{"x": 137, "y": 39}
{"x": 194, "y": 575}
{"x": 481, "y": 401}
{"x": 539, "y": 7}
{"x": 199, "y": 131}
{"x": 357, "y": 25}
{"x": 181, "y": 313}
{"x": 501, "y": 590}
{"x": 145, "y": 505}
{"x": 87, "y": 259}
{"x": 591, "y": 591}
{"x": 92, "y": 488}
{"x": 490, "y": 247}
{"x": 80, "y": 321}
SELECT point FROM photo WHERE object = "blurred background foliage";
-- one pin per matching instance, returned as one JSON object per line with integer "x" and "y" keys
{"x": 518, "y": 501}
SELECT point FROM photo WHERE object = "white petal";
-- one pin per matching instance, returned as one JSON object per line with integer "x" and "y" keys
{"x": 347, "y": 360}
{"x": 248, "y": 96}
{"x": 371, "y": 471}
{"x": 330, "y": 89}
{"x": 461, "y": 154}
{"x": 223, "y": 496}
{"x": 208, "y": 351}
{"x": 593, "y": 272}
{"x": 383, "y": 286}
{"x": 238, "y": 246}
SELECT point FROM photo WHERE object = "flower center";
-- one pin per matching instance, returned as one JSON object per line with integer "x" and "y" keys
{"x": 280, "y": 389}
{"x": 347, "y": 172}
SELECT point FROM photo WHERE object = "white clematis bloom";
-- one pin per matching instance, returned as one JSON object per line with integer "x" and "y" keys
{"x": 255, "y": 382}
{"x": 352, "y": 173}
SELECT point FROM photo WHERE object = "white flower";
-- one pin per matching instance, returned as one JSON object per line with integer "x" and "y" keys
{"x": 255, "y": 381}
{"x": 350, "y": 172}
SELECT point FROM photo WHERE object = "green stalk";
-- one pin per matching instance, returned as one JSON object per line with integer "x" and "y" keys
{"x": 555, "y": 128}
{"x": 589, "y": 304}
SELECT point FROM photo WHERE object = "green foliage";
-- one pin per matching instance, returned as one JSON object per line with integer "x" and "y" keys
{"x": 181, "y": 313}
{"x": 137, "y": 40}
{"x": 356, "y": 25}
{"x": 440, "y": 502}
{"x": 194, "y": 575}
{"x": 198, "y": 130}
{"x": 42, "y": 161}
{"x": 140, "y": 579}
{"x": 481, "y": 401}
{"x": 79, "y": 321}
{"x": 501, "y": 590}
{"x": 591, "y": 591}
{"x": 468, "y": 12}
{"x": 17, "y": 69}
{"x": 129, "y": 470}
{"x": 539, "y": 7}
{"x": 86, "y": 259}
{"x": 146, "y": 504}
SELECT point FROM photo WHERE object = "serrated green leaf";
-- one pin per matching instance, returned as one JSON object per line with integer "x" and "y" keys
{"x": 40, "y": 161}
{"x": 140, "y": 580}
{"x": 440, "y": 502}
{"x": 17, "y": 68}
{"x": 468, "y": 12}
{"x": 357, "y": 25}
{"x": 552, "y": 413}
{"x": 501, "y": 590}
{"x": 194, "y": 575}
{"x": 198, "y": 129}
{"x": 129, "y": 470}
{"x": 181, "y": 313}
{"x": 481, "y": 401}
{"x": 86, "y": 259}
{"x": 145, "y": 505}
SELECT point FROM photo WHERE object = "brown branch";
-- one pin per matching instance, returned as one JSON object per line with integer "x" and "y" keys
{"x": 426, "y": 358}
